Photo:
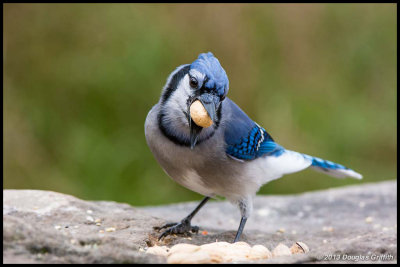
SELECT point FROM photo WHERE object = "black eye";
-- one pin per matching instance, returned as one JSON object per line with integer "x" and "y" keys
{"x": 193, "y": 82}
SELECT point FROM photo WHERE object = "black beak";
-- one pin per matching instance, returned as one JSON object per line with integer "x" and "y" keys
{"x": 211, "y": 104}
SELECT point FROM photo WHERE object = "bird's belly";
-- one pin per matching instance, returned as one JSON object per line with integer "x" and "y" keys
{"x": 182, "y": 167}
{"x": 206, "y": 169}
{"x": 205, "y": 175}
{"x": 193, "y": 181}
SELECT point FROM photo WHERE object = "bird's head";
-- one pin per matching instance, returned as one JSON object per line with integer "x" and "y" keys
{"x": 204, "y": 80}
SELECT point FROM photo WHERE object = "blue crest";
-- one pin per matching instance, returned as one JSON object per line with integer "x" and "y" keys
{"x": 209, "y": 65}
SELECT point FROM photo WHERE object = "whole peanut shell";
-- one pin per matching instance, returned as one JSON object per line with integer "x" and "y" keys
{"x": 199, "y": 115}
{"x": 281, "y": 250}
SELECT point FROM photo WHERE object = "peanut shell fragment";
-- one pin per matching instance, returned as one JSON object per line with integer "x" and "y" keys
{"x": 299, "y": 247}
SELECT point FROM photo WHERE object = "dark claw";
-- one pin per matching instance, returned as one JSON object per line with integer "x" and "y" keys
{"x": 164, "y": 226}
{"x": 195, "y": 229}
{"x": 182, "y": 228}
{"x": 164, "y": 234}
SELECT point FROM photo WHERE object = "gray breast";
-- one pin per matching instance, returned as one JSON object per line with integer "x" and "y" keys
{"x": 206, "y": 169}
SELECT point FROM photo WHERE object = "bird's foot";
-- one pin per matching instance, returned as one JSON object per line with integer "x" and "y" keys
{"x": 182, "y": 228}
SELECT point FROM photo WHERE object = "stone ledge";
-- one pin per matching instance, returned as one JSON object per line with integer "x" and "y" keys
{"x": 352, "y": 222}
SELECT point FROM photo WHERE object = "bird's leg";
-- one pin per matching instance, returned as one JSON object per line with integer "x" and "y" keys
{"x": 245, "y": 206}
{"x": 184, "y": 226}
{"x": 240, "y": 230}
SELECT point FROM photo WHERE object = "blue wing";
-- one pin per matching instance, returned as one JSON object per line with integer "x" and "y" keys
{"x": 245, "y": 139}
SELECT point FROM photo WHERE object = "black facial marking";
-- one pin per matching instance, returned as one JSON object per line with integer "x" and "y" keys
{"x": 169, "y": 134}
{"x": 219, "y": 113}
{"x": 173, "y": 84}
{"x": 167, "y": 131}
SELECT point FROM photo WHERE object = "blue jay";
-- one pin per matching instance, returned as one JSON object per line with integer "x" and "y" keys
{"x": 232, "y": 158}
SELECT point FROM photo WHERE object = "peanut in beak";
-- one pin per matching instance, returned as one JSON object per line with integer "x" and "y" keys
{"x": 199, "y": 115}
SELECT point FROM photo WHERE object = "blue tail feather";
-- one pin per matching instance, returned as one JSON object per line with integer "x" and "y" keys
{"x": 331, "y": 168}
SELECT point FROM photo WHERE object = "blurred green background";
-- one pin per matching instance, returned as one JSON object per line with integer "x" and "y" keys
{"x": 79, "y": 80}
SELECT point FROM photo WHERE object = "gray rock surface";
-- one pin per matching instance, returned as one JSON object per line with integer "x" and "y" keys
{"x": 342, "y": 225}
{"x": 43, "y": 226}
